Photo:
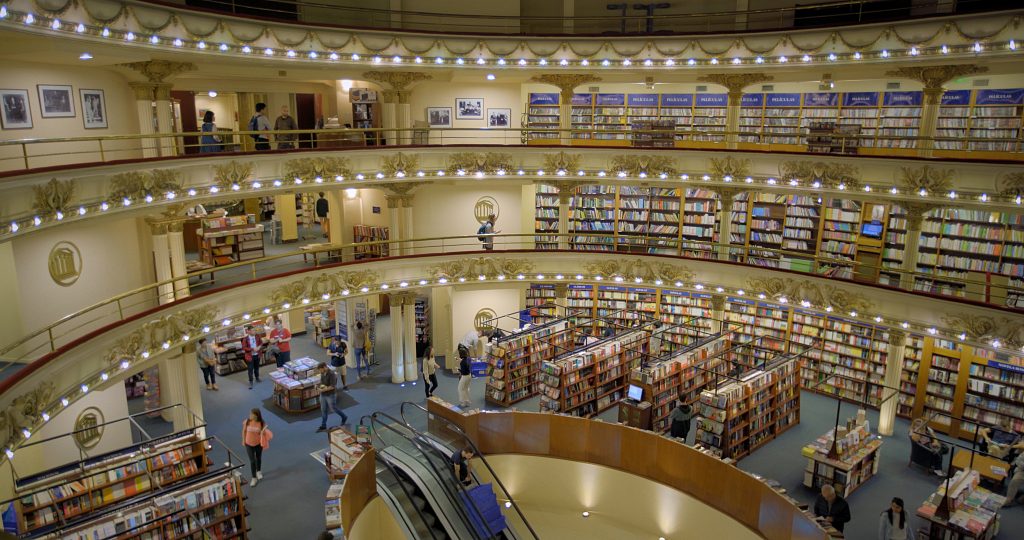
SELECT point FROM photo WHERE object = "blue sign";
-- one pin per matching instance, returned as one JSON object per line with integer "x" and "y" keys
{"x": 956, "y": 97}
{"x": 700, "y": 295}
{"x": 1013, "y": 96}
{"x": 583, "y": 99}
{"x": 580, "y": 287}
{"x": 641, "y": 290}
{"x": 541, "y": 286}
{"x": 544, "y": 98}
{"x": 611, "y": 99}
{"x": 611, "y": 288}
{"x": 902, "y": 99}
{"x": 783, "y": 100}
{"x": 643, "y": 100}
{"x": 740, "y": 301}
{"x": 860, "y": 99}
{"x": 712, "y": 100}
{"x": 671, "y": 292}
{"x": 1003, "y": 365}
{"x": 821, "y": 99}
{"x": 752, "y": 100}
{"x": 677, "y": 100}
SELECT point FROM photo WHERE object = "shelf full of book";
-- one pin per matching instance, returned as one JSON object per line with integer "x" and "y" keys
{"x": 592, "y": 378}
{"x": 971, "y": 512}
{"x": 370, "y": 233}
{"x": 540, "y": 300}
{"x": 514, "y": 361}
{"x": 543, "y": 113}
{"x": 546, "y": 219}
{"x": 230, "y": 239}
{"x": 857, "y": 460}
{"x": 296, "y": 385}
{"x": 593, "y": 212}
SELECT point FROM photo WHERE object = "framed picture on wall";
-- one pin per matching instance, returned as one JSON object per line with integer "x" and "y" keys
{"x": 439, "y": 117}
{"x": 55, "y": 101}
{"x": 15, "y": 113}
{"x": 94, "y": 109}
{"x": 469, "y": 108}
{"x": 499, "y": 118}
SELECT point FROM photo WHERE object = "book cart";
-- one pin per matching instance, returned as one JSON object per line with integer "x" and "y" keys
{"x": 295, "y": 385}
{"x": 845, "y": 462}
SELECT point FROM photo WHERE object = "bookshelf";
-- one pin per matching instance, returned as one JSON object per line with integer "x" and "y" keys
{"x": 709, "y": 112}
{"x": 751, "y": 118}
{"x": 688, "y": 316}
{"x": 233, "y": 359}
{"x": 973, "y": 511}
{"x": 593, "y": 211}
{"x": 537, "y": 296}
{"x": 666, "y": 207}
{"x": 610, "y": 116}
{"x": 421, "y": 308}
{"x": 900, "y": 116}
{"x": 839, "y": 237}
{"x": 700, "y": 211}
{"x": 542, "y": 112}
{"x": 995, "y": 392}
{"x": 582, "y": 116}
{"x": 766, "y": 221}
{"x": 514, "y": 361}
{"x": 546, "y": 217}
{"x": 742, "y": 415}
{"x": 857, "y": 461}
{"x": 633, "y": 216}
{"x": 818, "y": 120}
{"x": 677, "y": 109}
{"x": 781, "y": 119}
{"x": 230, "y": 239}
{"x": 996, "y": 114}
{"x": 860, "y": 110}
{"x": 370, "y": 233}
{"x": 295, "y": 385}
{"x": 592, "y": 378}
{"x": 894, "y": 247}
{"x": 909, "y": 376}
{"x": 345, "y": 450}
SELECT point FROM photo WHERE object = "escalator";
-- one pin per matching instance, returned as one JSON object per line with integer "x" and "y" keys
{"x": 418, "y": 484}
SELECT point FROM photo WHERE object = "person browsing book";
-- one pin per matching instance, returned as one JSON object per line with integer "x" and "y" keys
{"x": 281, "y": 338}
{"x": 328, "y": 396}
{"x": 681, "y": 417}
{"x": 252, "y": 347}
{"x": 832, "y": 507}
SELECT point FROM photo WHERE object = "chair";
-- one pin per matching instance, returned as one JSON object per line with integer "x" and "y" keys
{"x": 921, "y": 455}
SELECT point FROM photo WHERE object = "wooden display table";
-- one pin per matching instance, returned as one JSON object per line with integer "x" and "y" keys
{"x": 990, "y": 468}
{"x": 857, "y": 461}
{"x": 296, "y": 386}
{"x": 973, "y": 511}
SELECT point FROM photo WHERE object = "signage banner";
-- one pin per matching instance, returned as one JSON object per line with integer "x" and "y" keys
{"x": 1007, "y": 367}
{"x": 956, "y": 97}
{"x": 544, "y": 98}
{"x": 677, "y": 100}
{"x": 902, "y": 99}
{"x": 611, "y": 99}
{"x": 611, "y": 288}
{"x": 1013, "y": 96}
{"x": 752, "y": 100}
{"x": 783, "y": 100}
{"x": 860, "y": 99}
{"x": 712, "y": 100}
{"x": 583, "y": 99}
{"x": 643, "y": 100}
{"x": 821, "y": 99}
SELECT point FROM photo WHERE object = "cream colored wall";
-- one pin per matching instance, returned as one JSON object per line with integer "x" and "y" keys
{"x": 359, "y": 211}
{"x": 115, "y": 259}
{"x": 376, "y": 522}
{"x": 278, "y": 92}
{"x": 467, "y": 301}
{"x": 10, "y": 316}
{"x": 122, "y": 116}
{"x": 496, "y": 95}
{"x": 446, "y": 210}
{"x": 224, "y": 107}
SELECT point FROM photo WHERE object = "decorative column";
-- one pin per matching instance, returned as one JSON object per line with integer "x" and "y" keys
{"x": 407, "y": 233}
{"x": 158, "y": 89}
{"x": 915, "y": 216}
{"x": 396, "y": 113}
{"x": 734, "y": 83}
{"x": 566, "y": 83}
{"x": 412, "y": 372}
{"x": 162, "y": 260}
{"x": 441, "y": 325}
{"x": 403, "y": 110}
{"x": 179, "y": 384}
{"x": 399, "y": 198}
{"x": 727, "y": 195}
{"x": 176, "y": 246}
{"x": 934, "y": 79}
{"x": 165, "y": 120}
{"x": 395, "y": 223}
{"x": 388, "y": 117}
{"x": 144, "y": 95}
{"x": 397, "y": 343}
{"x": 717, "y": 313}
{"x": 893, "y": 369}
{"x": 561, "y": 299}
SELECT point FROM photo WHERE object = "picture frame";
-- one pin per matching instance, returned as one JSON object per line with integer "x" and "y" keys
{"x": 469, "y": 108}
{"x": 439, "y": 117}
{"x": 56, "y": 101}
{"x": 499, "y": 118}
{"x": 94, "y": 108}
{"x": 15, "y": 109}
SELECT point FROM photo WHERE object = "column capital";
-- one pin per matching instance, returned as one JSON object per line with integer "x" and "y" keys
{"x": 935, "y": 77}
{"x": 566, "y": 188}
{"x": 915, "y": 214}
{"x": 734, "y": 83}
{"x": 157, "y": 71}
{"x": 164, "y": 225}
{"x": 398, "y": 81}
{"x": 897, "y": 338}
{"x": 566, "y": 82}
{"x": 163, "y": 91}
{"x": 728, "y": 194}
{"x": 395, "y": 300}
{"x": 717, "y": 302}
{"x": 561, "y": 289}
{"x": 143, "y": 91}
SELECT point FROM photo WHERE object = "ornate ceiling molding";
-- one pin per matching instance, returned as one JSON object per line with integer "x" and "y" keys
{"x": 927, "y": 178}
{"x": 398, "y": 81}
{"x": 333, "y": 283}
{"x": 566, "y": 82}
{"x": 561, "y": 161}
{"x": 474, "y": 162}
{"x": 1012, "y": 184}
{"x": 650, "y": 165}
{"x": 308, "y": 170}
{"x": 231, "y": 174}
{"x": 158, "y": 71}
{"x": 829, "y": 174}
{"x": 819, "y": 294}
{"x": 472, "y": 268}
{"x": 54, "y": 196}
{"x": 648, "y": 271}
{"x": 935, "y": 77}
{"x": 1008, "y": 332}
{"x": 399, "y": 165}
{"x": 153, "y": 335}
{"x": 25, "y": 412}
{"x": 137, "y": 185}
{"x": 729, "y": 167}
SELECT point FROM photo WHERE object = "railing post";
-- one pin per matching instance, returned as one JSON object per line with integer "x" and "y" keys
{"x": 49, "y": 333}
{"x": 120, "y": 310}
{"x": 24, "y": 154}
{"x": 103, "y": 157}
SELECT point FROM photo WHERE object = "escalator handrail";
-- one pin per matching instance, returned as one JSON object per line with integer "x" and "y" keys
{"x": 405, "y": 490}
{"x": 477, "y": 452}
{"x": 440, "y": 476}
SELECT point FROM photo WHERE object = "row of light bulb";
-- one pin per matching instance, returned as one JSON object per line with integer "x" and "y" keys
{"x": 37, "y": 221}
{"x": 578, "y": 279}
{"x": 57, "y": 25}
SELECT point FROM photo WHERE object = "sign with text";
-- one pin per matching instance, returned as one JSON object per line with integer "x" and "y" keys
{"x": 860, "y": 99}
{"x": 1013, "y": 96}
{"x": 583, "y": 99}
{"x": 752, "y": 100}
{"x": 956, "y": 97}
{"x": 712, "y": 100}
{"x": 783, "y": 100}
{"x": 902, "y": 99}
{"x": 611, "y": 99}
{"x": 544, "y": 98}
{"x": 821, "y": 99}
{"x": 677, "y": 100}
{"x": 643, "y": 100}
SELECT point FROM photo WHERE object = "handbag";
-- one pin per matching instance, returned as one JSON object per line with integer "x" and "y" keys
{"x": 265, "y": 437}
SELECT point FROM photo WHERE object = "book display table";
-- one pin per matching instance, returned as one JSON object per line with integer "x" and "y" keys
{"x": 858, "y": 452}
{"x": 345, "y": 450}
{"x": 295, "y": 385}
{"x": 972, "y": 510}
{"x": 989, "y": 468}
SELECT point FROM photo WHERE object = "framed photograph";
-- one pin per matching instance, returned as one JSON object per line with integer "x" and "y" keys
{"x": 94, "y": 109}
{"x": 362, "y": 95}
{"x": 469, "y": 108}
{"x": 16, "y": 113}
{"x": 55, "y": 101}
{"x": 499, "y": 118}
{"x": 439, "y": 117}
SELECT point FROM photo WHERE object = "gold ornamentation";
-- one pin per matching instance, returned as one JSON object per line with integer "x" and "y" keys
{"x": 328, "y": 283}
{"x": 648, "y": 271}
{"x": 729, "y": 166}
{"x": 934, "y": 77}
{"x": 319, "y": 167}
{"x": 932, "y": 180}
{"x": 231, "y": 174}
{"x": 566, "y": 82}
{"x": 156, "y": 71}
{"x": 471, "y": 268}
{"x": 399, "y": 163}
{"x": 484, "y": 319}
{"x": 88, "y": 428}
{"x": 915, "y": 213}
{"x": 484, "y": 208}
{"x": 735, "y": 82}
{"x": 717, "y": 302}
{"x": 897, "y": 338}
{"x": 139, "y": 184}
{"x": 830, "y": 175}
{"x": 566, "y": 188}
{"x": 54, "y": 196}
{"x": 64, "y": 264}
{"x": 399, "y": 81}
{"x": 987, "y": 328}
{"x": 562, "y": 162}
{"x": 633, "y": 165}
{"x": 728, "y": 193}
{"x": 815, "y": 293}
{"x": 1011, "y": 184}
{"x": 167, "y": 329}
{"x": 474, "y": 162}
{"x": 25, "y": 412}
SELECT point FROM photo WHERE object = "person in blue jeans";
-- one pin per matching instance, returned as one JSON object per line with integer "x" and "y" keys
{"x": 359, "y": 342}
{"x": 328, "y": 396}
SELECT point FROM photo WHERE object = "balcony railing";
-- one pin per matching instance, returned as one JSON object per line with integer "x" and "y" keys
{"x": 132, "y": 303}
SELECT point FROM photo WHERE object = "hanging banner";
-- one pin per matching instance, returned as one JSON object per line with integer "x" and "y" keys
{"x": 544, "y": 98}
{"x": 902, "y": 99}
{"x": 956, "y": 97}
{"x": 583, "y": 99}
{"x": 611, "y": 99}
{"x": 677, "y": 100}
{"x": 752, "y": 100}
{"x": 643, "y": 100}
{"x": 712, "y": 100}
{"x": 783, "y": 100}
{"x": 860, "y": 99}
{"x": 1013, "y": 96}
{"x": 821, "y": 99}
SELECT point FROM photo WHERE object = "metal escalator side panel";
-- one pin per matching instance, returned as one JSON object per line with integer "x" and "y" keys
{"x": 452, "y": 518}
{"x": 400, "y": 502}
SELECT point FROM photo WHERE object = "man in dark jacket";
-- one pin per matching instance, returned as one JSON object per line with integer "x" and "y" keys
{"x": 832, "y": 507}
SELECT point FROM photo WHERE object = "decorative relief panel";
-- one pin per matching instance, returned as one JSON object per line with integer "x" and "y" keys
{"x": 830, "y": 175}
{"x": 729, "y": 166}
{"x": 25, "y": 412}
{"x": 231, "y": 174}
{"x": 398, "y": 165}
{"x": 54, "y": 196}
{"x": 318, "y": 167}
{"x": 816, "y": 293}
{"x": 332, "y": 283}
{"x": 138, "y": 184}
{"x": 1009, "y": 332}
{"x": 471, "y": 268}
{"x": 646, "y": 270}
{"x": 473, "y": 162}
{"x": 152, "y": 335}
{"x": 634, "y": 165}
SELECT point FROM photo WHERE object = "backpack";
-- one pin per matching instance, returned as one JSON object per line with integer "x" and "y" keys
{"x": 254, "y": 125}
{"x": 481, "y": 231}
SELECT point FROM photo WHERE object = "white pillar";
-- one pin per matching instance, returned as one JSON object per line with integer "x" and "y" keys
{"x": 395, "y": 223}
{"x": 164, "y": 119}
{"x": 930, "y": 120}
{"x": 732, "y": 118}
{"x": 162, "y": 265}
{"x": 564, "y": 195}
{"x": 404, "y": 115}
{"x": 409, "y": 337}
{"x": 717, "y": 313}
{"x": 890, "y": 394}
{"x": 397, "y": 343}
{"x": 179, "y": 385}
{"x": 389, "y": 121}
{"x": 914, "y": 218}
{"x": 407, "y": 233}
{"x": 176, "y": 245}
{"x": 144, "y": 108}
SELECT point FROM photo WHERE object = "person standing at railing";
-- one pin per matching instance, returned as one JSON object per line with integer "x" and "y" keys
{"x": 209, "y": 143}
{"x": 486, "y": 232}
{"x": 259, "y": 122}
{"x": 285, "y": 122}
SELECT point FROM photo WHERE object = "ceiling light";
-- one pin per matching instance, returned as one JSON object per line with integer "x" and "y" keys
{"x": 212, "y": 93}
{"x": 85, "y": 56}
{"x": 490, "y": 77}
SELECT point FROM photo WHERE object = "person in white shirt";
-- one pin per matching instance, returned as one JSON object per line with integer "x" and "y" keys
{"x": 470, "y": 342}
{"x": 894, "y": 523}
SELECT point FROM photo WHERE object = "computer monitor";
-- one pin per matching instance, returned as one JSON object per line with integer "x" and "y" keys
{"x": 872, "y": 229}
{"x": 636, "y": 393}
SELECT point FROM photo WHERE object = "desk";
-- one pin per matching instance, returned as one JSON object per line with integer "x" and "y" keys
{"x": 983, "y": 464}
{"x": 308, "y": 250}
{"x": 199, "y": 266}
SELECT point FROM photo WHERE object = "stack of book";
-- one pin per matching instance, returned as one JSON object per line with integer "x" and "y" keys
{"x": 344, "y": 452}
{"x": 973, "y": 510}
{"x": 857, "y": 461}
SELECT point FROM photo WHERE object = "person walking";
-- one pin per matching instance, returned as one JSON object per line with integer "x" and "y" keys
{"x": 681, "y": 417}
{"x": 252, "y": 346}
{"x": 487, "y": 232}
{"x": 460, "y": 461}
{"x": 212, "y": 142}
{"x": 336, "y": 353}
{"x": 894, "y": 524}
{"x": 256, "y": 438}
{"x": 281, "y": 338}
{"x": 285, "y": 122}
{"x": 465, "y": 377}
{"x": 832, "y": 507}
{"x": 429, "y": 371}
{"x": 1016, "y": 482}
{"x": 206, "y": 357}
{"x": 259, "y": 122}
{"x": 322, "y": 208}
{"x": 328, "y": 397}
{"x": 359, "y": 342}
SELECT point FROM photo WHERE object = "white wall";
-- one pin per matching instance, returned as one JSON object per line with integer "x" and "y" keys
{"x": 467, "y": 301}
{"x": 446, "y": 210}
{"x": 10, "y": 316}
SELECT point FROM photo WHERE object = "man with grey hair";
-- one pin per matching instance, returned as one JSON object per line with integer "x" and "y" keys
{"x": 832, "y": 507}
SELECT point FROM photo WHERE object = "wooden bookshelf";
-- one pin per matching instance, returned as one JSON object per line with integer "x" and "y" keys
{"x": 514, "y": 361}
{"x": 751, "y": 118}
{"x": 370, "y": 233}
{"x": 688, "y": 317}
{"x": 857, "y": 461}
{"x": 969, "y": 511}
{"x": 899, "y": 120}
{"x": 591, "y": 379}
{"x": 540, "y": 298}
{"x": 543, "y": 112}
{"x": 546, "y": 220}
{"x": 593, "y": 211}
{"x": 233, "y": 359}
{"x": 230, "y": 239}
{"x": 296, "y": 385}
{"x": 582, "y": 116}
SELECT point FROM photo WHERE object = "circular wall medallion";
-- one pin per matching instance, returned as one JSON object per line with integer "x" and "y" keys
{"x": 88, "y": 428}
{"x": 484, "y": 208}
{"x": 64, "y": 263}
{"x": 483, "y": 320}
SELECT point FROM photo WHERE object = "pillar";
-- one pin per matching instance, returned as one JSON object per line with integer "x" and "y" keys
{"x": 162, "y": 263}
{"x": 337, "y": 232}
{"x": 180, "y": 385}
{"x": 915, "y": 215}
{"x": 441, "y": 325}
{"x": 725, "y": 219}
{"x": 144, "y": 93}
{"x": 397, "y": 343}
{"x": 409, "y": 336}
{"x": 564, "y": 211}
{"x": 890, "y": 394}
{"x": 284, "y": 211}
{"x": 395, "y": 223}
{"x": 561, "y": 299}
{"x": 403, "y": 113}
{"x": 566, "y": 83}
{"x": 565, "y": 116}
{"x": 408, "y": 248}
{"x": 929, "y": 120}
{"x": 165, "y": 119}
{"x": 717, "y": 313}
{"x": 176, "y": 246}
{"x": 389, "y": 117}
{"x": 732, "y": 117}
